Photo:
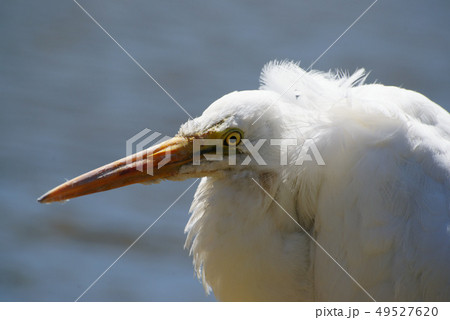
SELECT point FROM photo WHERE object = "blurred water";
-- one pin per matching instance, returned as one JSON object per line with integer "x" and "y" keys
{"x": 70, "y": 98}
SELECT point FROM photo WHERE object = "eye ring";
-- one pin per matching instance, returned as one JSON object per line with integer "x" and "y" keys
{"x": 233, "y": 139}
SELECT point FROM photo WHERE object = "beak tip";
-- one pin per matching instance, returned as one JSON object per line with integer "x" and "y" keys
{"x": 42, "y": 199}
{"x": 46, "y": 198}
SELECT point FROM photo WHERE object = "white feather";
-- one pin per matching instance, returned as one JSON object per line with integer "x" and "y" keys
{"x": 380, "y": 205}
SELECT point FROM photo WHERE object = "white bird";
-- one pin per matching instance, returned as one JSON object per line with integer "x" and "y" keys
{"x": 372, "y": 221}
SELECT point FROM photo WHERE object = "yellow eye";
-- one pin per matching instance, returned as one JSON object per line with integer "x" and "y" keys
{"x": 233, "y": 138}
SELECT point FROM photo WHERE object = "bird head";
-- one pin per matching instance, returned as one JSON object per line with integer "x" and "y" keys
{"x": 222, "y": 141}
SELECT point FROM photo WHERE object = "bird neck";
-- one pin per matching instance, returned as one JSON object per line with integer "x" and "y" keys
{"x": 245, "y": 246}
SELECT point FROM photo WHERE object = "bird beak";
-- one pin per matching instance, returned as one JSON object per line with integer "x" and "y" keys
{"x": 161, "y": 161}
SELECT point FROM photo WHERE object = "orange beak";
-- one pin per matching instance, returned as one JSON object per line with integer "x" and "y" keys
{"x": 151, "y": 165}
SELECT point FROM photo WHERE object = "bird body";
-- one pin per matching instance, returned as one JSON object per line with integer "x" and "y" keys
{"x": 370, "y": 222}
{"x": 380, "y": 206}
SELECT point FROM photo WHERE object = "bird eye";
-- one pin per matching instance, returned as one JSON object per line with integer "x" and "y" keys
{"x": 233, "y": 139}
